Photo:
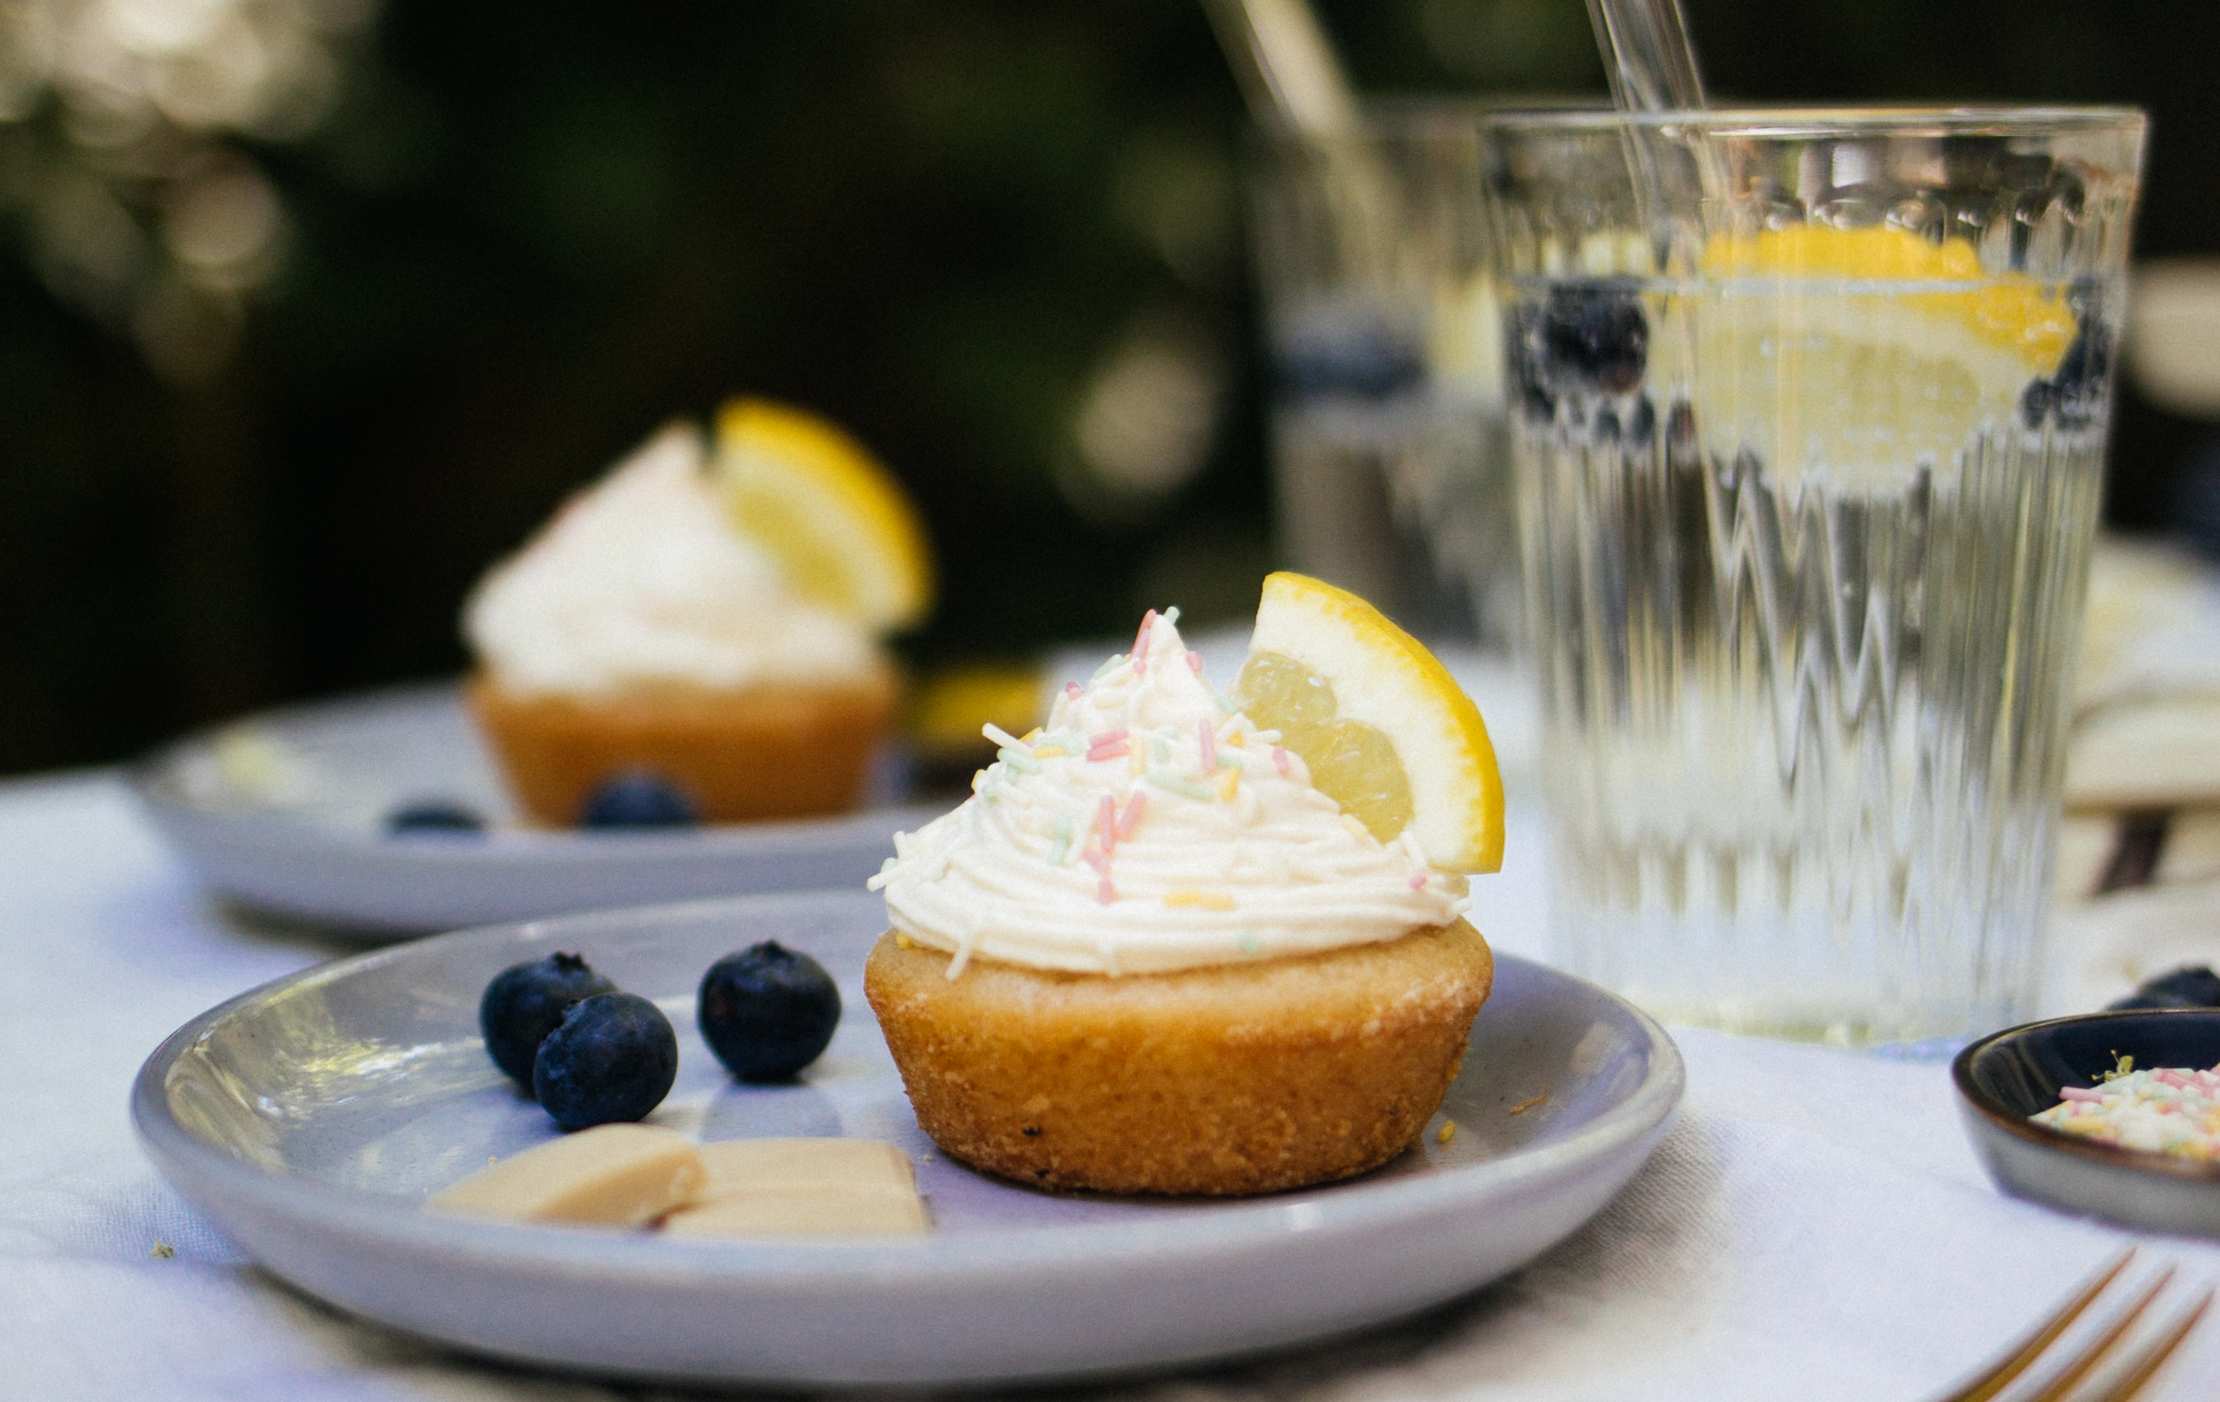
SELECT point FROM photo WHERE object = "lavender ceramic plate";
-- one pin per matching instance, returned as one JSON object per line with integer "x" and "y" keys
{"x": 310, "y": 1117}
{"x": 284, "y": 812}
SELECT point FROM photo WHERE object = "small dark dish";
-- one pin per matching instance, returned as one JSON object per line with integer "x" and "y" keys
{"x": 2007, "y": 1076}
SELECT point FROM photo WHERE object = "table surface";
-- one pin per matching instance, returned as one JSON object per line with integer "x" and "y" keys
{"x": 1815, "y": 1225}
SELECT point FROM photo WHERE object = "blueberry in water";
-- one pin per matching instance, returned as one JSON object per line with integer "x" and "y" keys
{"x": 612, "y": 1059}
{"x": 2077, "y": 387}
{"x": 1595, "y": 336}
{"x": 1522, "y": 352}
{"x": 767, "y": 1011}
{"x": 525, "y": 1002}
{"x": 2195, "y": 984}
{"x": 433, "y": 815}
{"x": 638, "y": 799}
{"x": 1642, "y": 423}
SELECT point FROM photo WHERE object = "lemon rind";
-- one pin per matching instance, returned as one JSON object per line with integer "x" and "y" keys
{"x": 1456, "y": 807}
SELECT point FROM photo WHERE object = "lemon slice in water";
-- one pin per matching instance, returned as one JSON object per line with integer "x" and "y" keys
{"x": 1859, "y": 351}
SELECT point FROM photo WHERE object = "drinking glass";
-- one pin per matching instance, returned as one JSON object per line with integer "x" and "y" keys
{"x": 1390, "y": 466}
{"x": 1809, "y": 417}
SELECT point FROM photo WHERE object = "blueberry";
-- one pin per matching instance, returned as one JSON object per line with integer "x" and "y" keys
{"x": 1359, "y": 361}
{"x": 2078, "y": 385}
{"x": 638, "y": 799}
{"x": 526, "y": 1001}
{"x": 433, "y": 815}
{"x": 2195, "y": 984}
{"x": 1596, "y": 337}
{"x": 1643, "y": 424}
{"x": 1522, "y": 352}
{"x": 767, "y": 1011}
{"x": 612, "y": 1058}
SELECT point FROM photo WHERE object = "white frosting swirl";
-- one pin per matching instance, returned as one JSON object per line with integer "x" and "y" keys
{"x": 1150, "y": 826}
{"x": 640, "y": 581}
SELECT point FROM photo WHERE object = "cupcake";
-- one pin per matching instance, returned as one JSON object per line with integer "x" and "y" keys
{"x": 648, "y": 628}
{"x": 1177, "y": 942}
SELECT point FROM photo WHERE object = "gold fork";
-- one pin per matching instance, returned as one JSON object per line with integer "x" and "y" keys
{"x": 2131, "y": 1377}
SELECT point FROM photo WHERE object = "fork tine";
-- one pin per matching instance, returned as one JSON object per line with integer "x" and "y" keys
{"x": 2156, "y": 1352}
{"x": 2060, "y": 1387}
{"x": 1989, "y": 1384}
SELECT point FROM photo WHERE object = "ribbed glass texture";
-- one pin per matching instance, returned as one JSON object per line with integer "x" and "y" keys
{"x": 1808, "y": 428}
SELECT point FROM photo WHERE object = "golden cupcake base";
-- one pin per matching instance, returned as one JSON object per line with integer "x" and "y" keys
{"x": 750, "y": 754}
{"x": 1223, "y": 1080}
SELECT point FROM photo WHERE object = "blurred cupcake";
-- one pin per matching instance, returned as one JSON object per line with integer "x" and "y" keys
{"x": 711, "y": 619}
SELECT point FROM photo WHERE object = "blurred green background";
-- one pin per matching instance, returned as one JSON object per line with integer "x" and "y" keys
{"x": 310, "y": 308}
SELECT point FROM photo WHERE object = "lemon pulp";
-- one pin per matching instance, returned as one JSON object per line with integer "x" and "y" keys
{"x": 1350, "y": 762}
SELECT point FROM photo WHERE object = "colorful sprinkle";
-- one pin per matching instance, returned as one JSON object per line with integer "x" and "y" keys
{"x": 1229, "y": 784}
{"x": 1001, "y": 737}
{"x": 1418, "y": 880}
{"x": 1131, "y": 817}
{"x": 1062, "y": 849}
{"x": 1207, "y": 735}
{"x": 1018, "y": 760}
{"x": 1235, "y": 741}
{"x": 1107, "y": 737}
{"x": 1049, "y": 752}
{"x": 1194, "y": 662}
{"x": 1093, "y": 856}
{"x": 1105, "y": 893}
{"x": 1174, "y": 783}
{"x": 1188, "y": 898}
{"x": 1114, "y": 750}
{"x": 1279, "y": 761}
{"x": 1074, "y": 690}
{"x": 1141, "y": 644}
{"x": 1447, "y": 1132}
{"x": 1106, "y": 824}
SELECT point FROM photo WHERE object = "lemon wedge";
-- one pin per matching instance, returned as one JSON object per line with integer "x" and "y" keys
{"x": 829, "y": 512}
{"x": 1384, "y": 729}
{"x": 1860, "y": 351}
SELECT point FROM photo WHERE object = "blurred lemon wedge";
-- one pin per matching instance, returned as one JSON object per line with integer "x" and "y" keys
{"x": 1384, "y": 729}
{"x": 843, "y": 531}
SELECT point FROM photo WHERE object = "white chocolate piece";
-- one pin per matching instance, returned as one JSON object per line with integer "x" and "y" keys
{"x": 621, "y": 1175}
{"x": 813, "y": 1212}
{"x": 843, "y": 1166}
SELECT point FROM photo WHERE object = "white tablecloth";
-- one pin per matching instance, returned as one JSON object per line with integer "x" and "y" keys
{"x": 1815, "y": 1226}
